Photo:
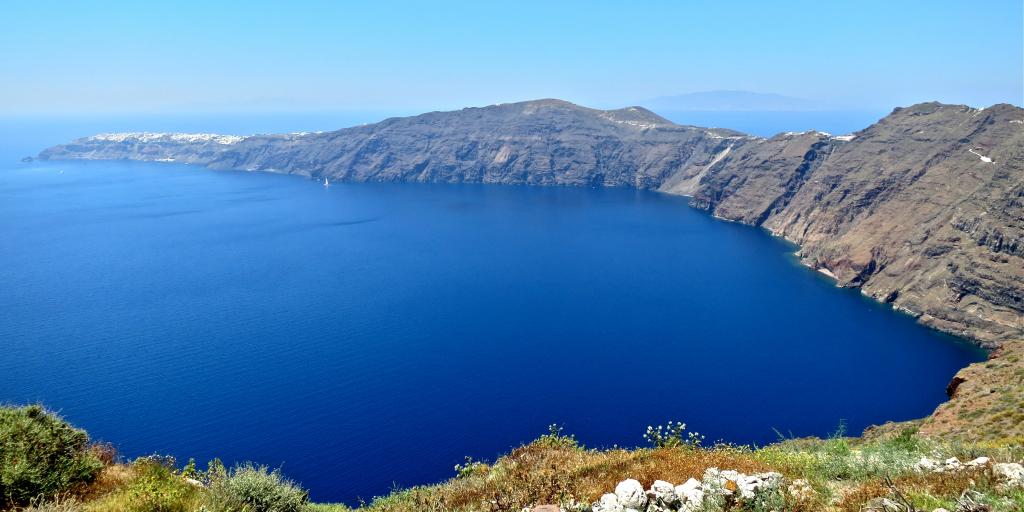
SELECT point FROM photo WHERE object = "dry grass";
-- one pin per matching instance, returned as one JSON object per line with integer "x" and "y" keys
{"x": 65, "y": 504}
{"x": 112, "y": 478}
{"x": 916, "y": 488}
{"x": 540, "y": 473}
{"x": 144, "y": 486}
{"x": 989, "y": 404}
{"x": 845, "y": 472}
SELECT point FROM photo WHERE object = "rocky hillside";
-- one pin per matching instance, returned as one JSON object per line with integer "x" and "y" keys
{"x": 545, "y": 142}
{"x": 924, "y": 209}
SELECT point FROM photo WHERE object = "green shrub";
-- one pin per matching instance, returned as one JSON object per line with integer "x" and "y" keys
{"x": 556, "y": 439}
{"x": 158, "y": 488}
{"x": 672, "y": 435}
{"x": 250, "y": 488}
{"x": 41, "y": 455}
{"x": 471, "y": 468}
{"x": 154, "y": 485}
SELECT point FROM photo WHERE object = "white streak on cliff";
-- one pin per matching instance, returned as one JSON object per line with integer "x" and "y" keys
{"x": 983, "y": 158}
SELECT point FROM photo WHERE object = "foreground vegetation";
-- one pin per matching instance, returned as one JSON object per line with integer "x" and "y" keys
{"x": 48, "y": 466}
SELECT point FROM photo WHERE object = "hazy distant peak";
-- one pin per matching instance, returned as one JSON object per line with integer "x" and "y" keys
{"x": 549, "y": 102}
{"x": 549, "y": 111}
{"x": 730, "y": 101}
{"x": 636, "y": 114}
{"x": 543, "y": 103}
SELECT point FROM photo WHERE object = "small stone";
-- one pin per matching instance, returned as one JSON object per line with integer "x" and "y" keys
{"x": 691, "y": 494}
{"x": 721, "y": 482}
{"x": 546, "y": 508}
{"x": 750, "y": 485}
{"x": 662, "y": 488}
{"x": 940, "y": 510}
{"x": 662, "y": 497}
{"x": 926, "y": 465}
{"x": 881, "y": 505}
{"x": 631, "y": 494}
{"x": 980, "y": 462}
{"x": 608, "y": 503}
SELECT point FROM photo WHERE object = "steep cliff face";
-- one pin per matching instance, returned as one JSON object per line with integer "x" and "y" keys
{"x": 544, "y": 142}
{"x": 924, "y": 209}
{"x": 752, "y": 181}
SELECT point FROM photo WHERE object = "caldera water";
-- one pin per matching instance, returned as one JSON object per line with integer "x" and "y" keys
{"x": 366, "y": 336}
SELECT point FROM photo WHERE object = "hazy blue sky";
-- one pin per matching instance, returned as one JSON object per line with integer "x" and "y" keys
{"x": 124, "y": 56}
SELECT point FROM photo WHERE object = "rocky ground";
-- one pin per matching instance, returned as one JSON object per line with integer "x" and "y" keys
{"x": 724, "y": 489}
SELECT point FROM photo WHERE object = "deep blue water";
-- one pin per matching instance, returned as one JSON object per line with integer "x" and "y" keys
{"x": 369, "y": 335}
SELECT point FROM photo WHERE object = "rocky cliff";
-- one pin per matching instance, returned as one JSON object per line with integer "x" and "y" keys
{"x": 924, "y": 209}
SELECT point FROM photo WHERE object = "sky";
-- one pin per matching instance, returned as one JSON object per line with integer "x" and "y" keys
{"x": 249, "y": 56}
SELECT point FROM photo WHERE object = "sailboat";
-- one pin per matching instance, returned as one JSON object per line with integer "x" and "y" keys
{"x": 326, "y": 183}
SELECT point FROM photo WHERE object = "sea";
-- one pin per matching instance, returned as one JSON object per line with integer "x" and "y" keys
{"x": 367, "y": 337}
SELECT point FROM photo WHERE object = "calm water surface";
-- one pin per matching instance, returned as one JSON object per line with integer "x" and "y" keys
{"x": 370, "y": 335}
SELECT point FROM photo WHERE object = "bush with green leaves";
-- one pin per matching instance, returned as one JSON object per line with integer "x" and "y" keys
{"x": 672, "y": 435}
{"x": 556, "y": 439}
{"x": 470, "y": 468}
{"x": 41, "y": 455}
{"x": 251, "y": 488}
{"x": 155, "y": 486}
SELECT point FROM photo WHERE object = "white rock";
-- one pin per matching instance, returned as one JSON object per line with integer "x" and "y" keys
{"x": 750, "y": 485}
{"x": 609, "y": 503}
{"x": 661, "y": 497}
{"x": 926, "y": 465}
{"x": 721, "y": 482}
{"x": 980, "y": 462}
{"x": 771, "y": 479}
{"x": 747, "y": 487}
{"x": 692, "y": 494}
{"x": 661, "y": 487}
{"x": 952, "y": 464}
{"x": 1009, "y": 474}
{"x": 881, "y": 505}
{"x": 940, "y": 510}
{"x": 631, "y": 494}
